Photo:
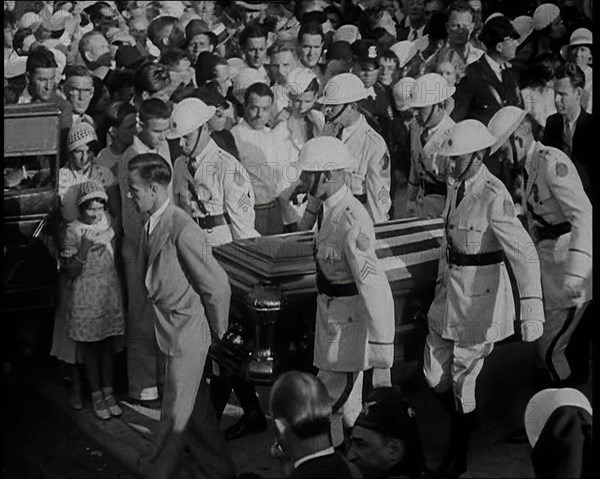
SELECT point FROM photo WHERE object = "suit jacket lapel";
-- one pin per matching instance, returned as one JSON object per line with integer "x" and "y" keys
{"x": 161, "y": 233}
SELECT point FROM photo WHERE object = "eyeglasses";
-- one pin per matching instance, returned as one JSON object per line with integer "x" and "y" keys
{"x": 81, "y": 91}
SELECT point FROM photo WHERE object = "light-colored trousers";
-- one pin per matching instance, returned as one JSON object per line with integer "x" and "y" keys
{"x": 452, "y": 365}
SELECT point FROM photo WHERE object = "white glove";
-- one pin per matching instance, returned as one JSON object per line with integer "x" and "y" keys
{"x": 531, "y": 329}
{"x": 573, "y": 287}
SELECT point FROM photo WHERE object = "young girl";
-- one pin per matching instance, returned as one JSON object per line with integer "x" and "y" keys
{"x": 95, "y": 315}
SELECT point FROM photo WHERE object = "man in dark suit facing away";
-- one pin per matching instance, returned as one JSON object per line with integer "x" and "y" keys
{"x": 489, "y": 84}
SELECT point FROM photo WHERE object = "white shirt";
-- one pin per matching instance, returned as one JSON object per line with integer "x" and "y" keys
{"x": 261, "y": 158}
{"x": 155, "y": 217}
{"x": 314, "y": 455}
{"x": 330, "y": 203}
{"x": 349, "y": 130}
{"x": 496, "y": 67}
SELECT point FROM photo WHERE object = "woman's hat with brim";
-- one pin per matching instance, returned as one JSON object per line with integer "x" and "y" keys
{"x": 91, "y": 190}
{"x": 80, "y": 134}
{"x": 524, "y": 27}
{"x": 580, "y": 37}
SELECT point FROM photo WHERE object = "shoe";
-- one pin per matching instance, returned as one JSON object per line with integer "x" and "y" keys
{"x": 75, "y": 399}
{"x": 101, "y": 409}
{"x": 251, "y": 422}
{"x": 113, "y": 405}
{"x": 517, "y": 436}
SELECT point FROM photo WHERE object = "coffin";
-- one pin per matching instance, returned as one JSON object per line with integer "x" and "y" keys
{"x": 273, "y": 301}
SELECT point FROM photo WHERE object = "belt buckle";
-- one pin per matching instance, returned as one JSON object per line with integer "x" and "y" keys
{"x": 208, "y": 215}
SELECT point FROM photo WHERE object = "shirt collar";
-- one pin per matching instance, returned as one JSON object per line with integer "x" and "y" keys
{"x": 314, "y": 455}
{"x": 208, "y": 150}
{"x": 349, "y": 130}
{"x": 494, "y": 64}
{"x": 371, "y": 92}
{"x": 140, "y": 147}
{"x": 330, "y": 203}
{"x": 155, "y": 217}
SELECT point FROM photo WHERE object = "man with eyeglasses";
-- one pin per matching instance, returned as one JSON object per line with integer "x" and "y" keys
{"x": 79, "y": 90}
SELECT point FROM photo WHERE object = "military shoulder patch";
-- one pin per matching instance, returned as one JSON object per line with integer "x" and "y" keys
{"x": 238, "y": 178}
{"x": 362, "y": 242}
{"x": 562, "y": 170}
{"x": 385, "y": 162}
{"x": 509, "y": 208}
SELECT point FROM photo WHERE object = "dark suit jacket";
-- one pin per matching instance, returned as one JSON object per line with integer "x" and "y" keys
{"x": 480, "y": 94}
{"x": 583, "y": 139}
{"x": 378, "y": 111}
{"x": 332, "y": 466}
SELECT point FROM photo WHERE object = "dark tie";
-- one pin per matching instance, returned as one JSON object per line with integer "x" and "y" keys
{"x": 424, "y": 136}
{"x": 568, "y": 138}
{"x": 320, "y": 217}
{"x": 505, "y": 74}
{"x": 460, "y": 193}
{"x": 338, "y": 135}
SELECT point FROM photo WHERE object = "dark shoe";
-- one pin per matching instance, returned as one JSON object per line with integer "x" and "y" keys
{"x": 251, "y": 422}
{"x": 517, "y": 436}
{"x": 455, "y": 463}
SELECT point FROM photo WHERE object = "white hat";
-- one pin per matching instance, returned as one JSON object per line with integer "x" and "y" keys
{"x": 467, "y": 136}
{"x": 245, "y": 78}
{"x": 493, "y": 15}
{"x": 80, "y": 134}
{"x": 171, "y": 9}
{"x": 343, "y": 88}
{"x": 188, "y": 115}
{"x": 29, "y": 20}
{"x": 544, "y": 403}
{"x": 544, "y": 15}
{"x": 299, "y": 79}
{"x": 91, "y": 189}
{"x": 61, "y": 60}
{"x": 402, "y": 91}
{"x": 581, "y": 36}
{"x": 405, "y": 51}
{"x": 524, "y": 27}
{"x": 27, "y": 42}
{"x": 55, "y": 22}
{"x": 504, "y": 123}
{"x": 254, "y": 7}
{"x": 324, "y": 153}
{"x": 236, "y": 65}
{"x": 430, "y": 89}
{"x": 347, "y": 33}
{"x": 15, "y": 67}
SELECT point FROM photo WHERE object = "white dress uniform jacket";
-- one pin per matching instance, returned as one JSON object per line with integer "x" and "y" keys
{"x": 371, "y": 174}
{"x": 427, "y": 169}
{"x": 554, "y": 195}
{"x": 222, "y": 185}
{"x": 474, "y": 304}
{"x": 353, "y": 333}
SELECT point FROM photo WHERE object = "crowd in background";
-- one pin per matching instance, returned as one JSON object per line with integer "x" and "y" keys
{"x": 127, "y": 74}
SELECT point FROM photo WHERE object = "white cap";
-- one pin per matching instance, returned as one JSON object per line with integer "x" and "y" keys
{"x": 324, "y": 153}
{"x": 343, "y": 88}
{"x": 55, "y": 22}
{"x": 544, "y": 403}
{"x": 15, "y": 67}
{"x": 245, "y": 78}
{"x": 171, "y": 9}
{"x": 61, "y": 60}
{"x": 467, "y": 136}
{"x": 402, "y": 92}
{"x": 544, "y": 15}
{"x": 504, "y": 123}
{"x": 347, "y": 33}
{"x": 299, "y": 79}
{"x": 524, "y": 27}
{"x": 430, "y": 89}
{"x": 80, "y": 134}
{"x": 404, "y": 50}
{"x": 29, "y": 20}
{"x": 493, "y": 15}
{"x": 188, "y": 115}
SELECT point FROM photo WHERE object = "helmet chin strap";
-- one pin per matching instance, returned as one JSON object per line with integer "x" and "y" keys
{"x": 339, "y": 113}
{"x": 315, "y": 185}
{"x": 424, "y": 124}
{"x": 191, "y": 154}
{"x": 461, "y": 176}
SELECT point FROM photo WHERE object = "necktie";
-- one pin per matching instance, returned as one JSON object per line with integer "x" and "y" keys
{"x": 505, "y": 74}
{"x": 320, "y": 217}
{"x": 338, "y": 135}
{"x": 424, "y": 136}
{"x": 460, "y": 193}
{"x": 148, "y": 232}
{"x": 567, "y": 138}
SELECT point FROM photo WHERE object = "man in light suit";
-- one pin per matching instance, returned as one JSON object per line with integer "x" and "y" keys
{"x": 474, "y": 306}
{"x": 190, "y": 293}
{"x": 355, "y": 309}
{"x": 560, "y": 222}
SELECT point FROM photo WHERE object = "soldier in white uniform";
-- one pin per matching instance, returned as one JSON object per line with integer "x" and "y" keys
{"x": 355, "y": 309}
{"x": 427, "y": 180}
{"x": 208, "y": 183}
{"x": 370, "y": 174}
{"x": 559, "y": 216}
{"x": 473, "y": 306}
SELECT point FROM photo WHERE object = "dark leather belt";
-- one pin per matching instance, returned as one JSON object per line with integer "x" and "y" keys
{"x": 209, "y": 222}
{"x": 434, "y": 188}
{"x": 324, "y": 286}
{"x": 553, "y": 231}
{"x": 362, "y": 198}
{"x": 482, "y": 259}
